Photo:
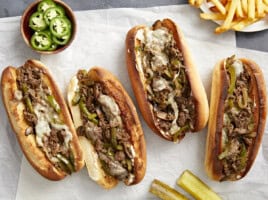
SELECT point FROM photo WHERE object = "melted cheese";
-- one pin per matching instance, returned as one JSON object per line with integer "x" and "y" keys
{"x": 174, "y": 126}
{"x": 42, "y": 127}
{"x": 159, "y": 84}
{"x": 110, "y": 108}
{"x": 238, "y": 66}
{"x": 45, "y": 117}
{"x": 154, "y": 40}
{"x": 109, "y": 105}
{"x": 159, "y": 60}
{"x": 18, "y": 95}
{"x": 140, "y": 35}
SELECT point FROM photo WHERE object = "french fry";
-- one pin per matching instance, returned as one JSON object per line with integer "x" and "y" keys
{"x": 266, "y": 9}
{"x": 239, "y": 12}
{"x": 224, "y": 2}
{"x": 192, "y": 2}
{"x": 212, "y": 16}
{"x": 199, "y": 2}
{"x": 260, "y": 8}
{"x": 242, "y": 24}
{"x": 244, "y": 4}
{"x": 220, "y": 29}
{"x": 251, "y": 9}
{"x": 227, "y": 5}
{"x": 165, "y": 192}
{"x": 196, "y": 187}
{"x": 214, "y": 9}
{"x": 219, "y": 5}
{"x": 230, "y": 14}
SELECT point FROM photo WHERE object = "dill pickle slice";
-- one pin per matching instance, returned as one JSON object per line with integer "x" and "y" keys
{"x": 165, "y": 192}
{"x": 196, "y": 187}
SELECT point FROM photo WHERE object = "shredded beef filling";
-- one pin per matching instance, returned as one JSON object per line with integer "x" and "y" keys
{"x": 238, "y": 125}
{"x": 103, "y": 126}
{"x": 167, "y": 85}
{"x": 43, "y": 120}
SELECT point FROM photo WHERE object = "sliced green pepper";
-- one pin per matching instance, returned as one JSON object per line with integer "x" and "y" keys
{"x": 51, "y": 13}
{"x": 41, "y": 41}
{"x": 76, "y": 98}
{"x": 55, "y": 120}
{"x": 37, "y": 22}
{"x": 245, "y": 99}
{"x": 179, "y": 132}
{"x": 230, "y": 103}
{"x": 45, "y": 4}
{"x": 61, "y": 40}
{"x": 53, "y": 103}
{"x": 223, "y": 154}
{"x": 177, "y": 83}
{"x": 60, "y": 26}
{"x": 251, "y": 126}
{"x": 61, "y": 8}
{"x": 231, "y": 71}
{"x": 138, "y": 48}
{"x": 243, "y": 156}
{"x": 52, "y": 47}
{"x": 110, "y": 152}
{"x": 129, "y": 165}
{"x": 182, "y": 76}
{"x": 28, "y": 101}
{"x": 175, "y": 61}
{"x": 65, "y": 164}
{"x": 167, "y": 72}
{"x": 119, "y": 147}
{"x": 24, "y": 88}
{"x": 84, "y": 110}
{"x": 29, "y": 105}
{"x": 71, "y": 158}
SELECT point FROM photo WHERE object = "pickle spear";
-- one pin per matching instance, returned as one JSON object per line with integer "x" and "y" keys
{"x": 196, "y": 187}
{"x": 165, "y": 192}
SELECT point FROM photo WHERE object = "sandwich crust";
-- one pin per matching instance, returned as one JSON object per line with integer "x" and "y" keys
{"x": 219, "y": 92}
{"x": 14, "y": 108}
{"x": 130, "y": 120}
{"x": 197, "y": 89}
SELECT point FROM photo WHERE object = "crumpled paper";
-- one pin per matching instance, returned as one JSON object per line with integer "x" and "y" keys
{"x": 100, "y": 41}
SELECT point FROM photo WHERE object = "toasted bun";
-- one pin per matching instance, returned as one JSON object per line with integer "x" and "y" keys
{"x": 28, "y": 144}
{"x": 198, "y": 91}
{"x": 219, "y": 92}
{"x": 130, "y": 119}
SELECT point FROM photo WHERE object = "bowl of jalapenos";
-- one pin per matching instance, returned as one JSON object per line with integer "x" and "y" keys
{"x": 48, "y": 26}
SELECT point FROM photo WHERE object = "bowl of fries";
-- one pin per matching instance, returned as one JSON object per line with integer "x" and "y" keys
{"x": 237, "y": 15}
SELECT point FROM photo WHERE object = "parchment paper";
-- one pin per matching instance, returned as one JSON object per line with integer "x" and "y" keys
{"x": 100, "y": 41}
